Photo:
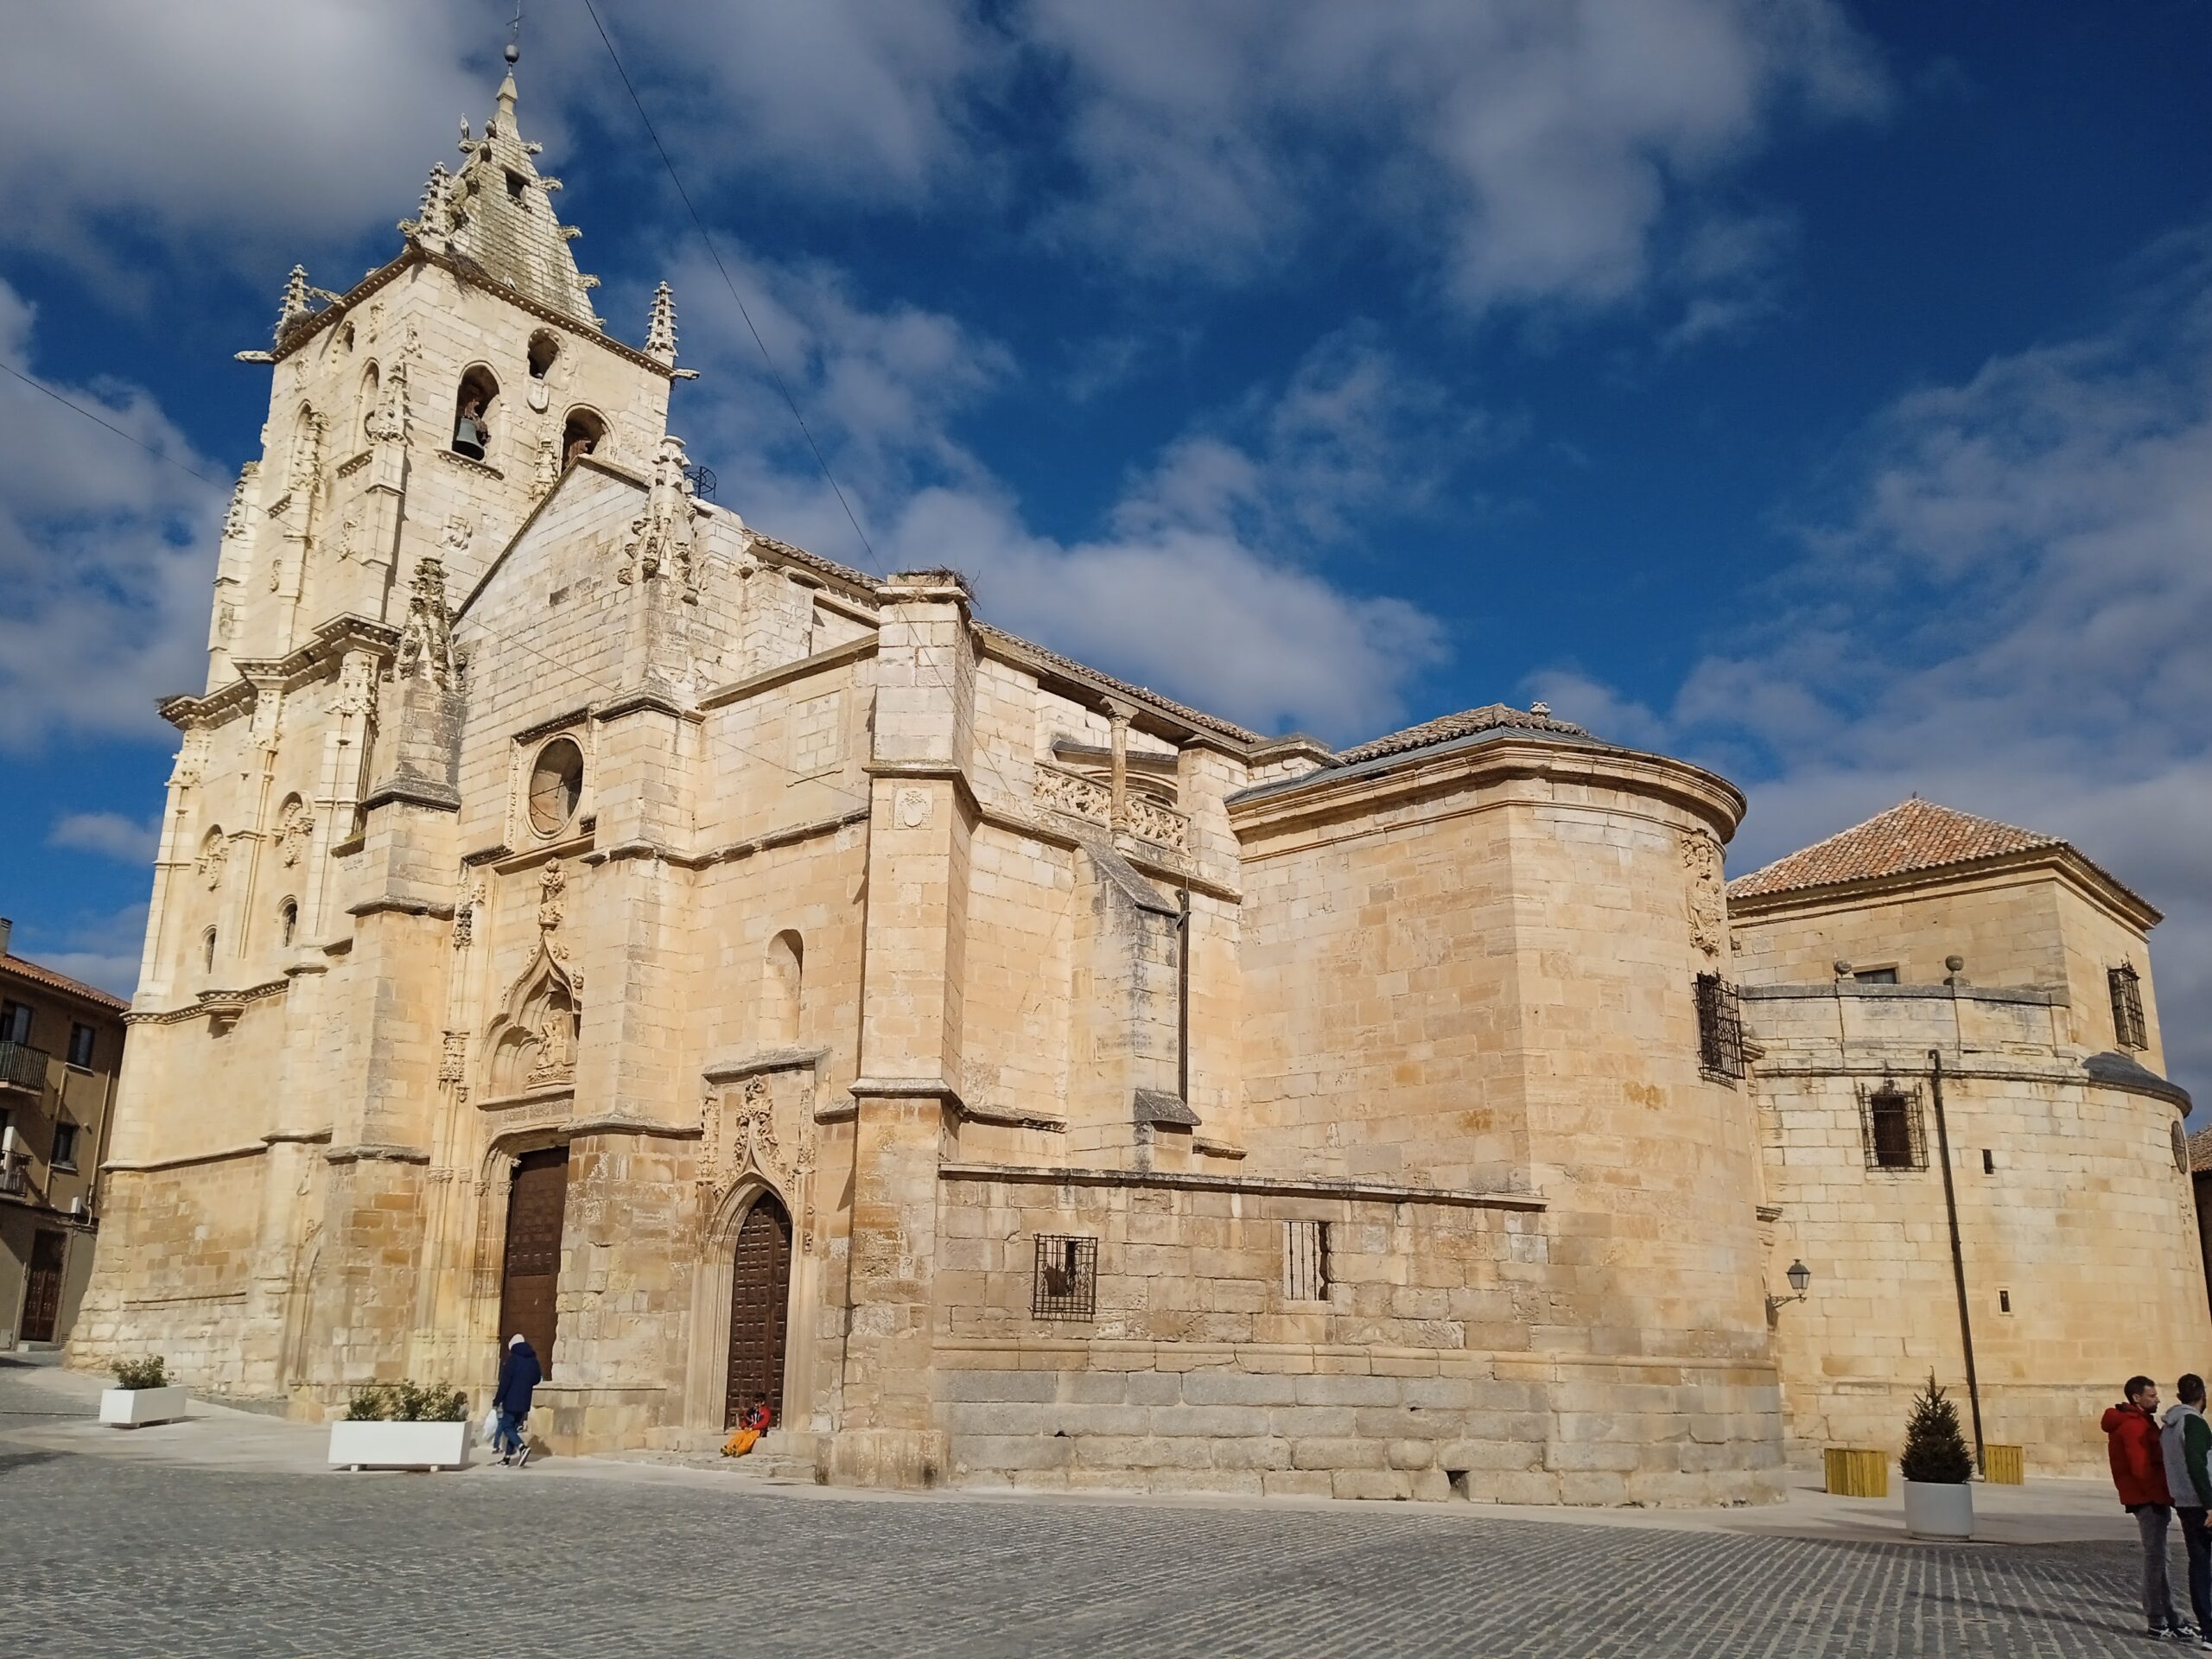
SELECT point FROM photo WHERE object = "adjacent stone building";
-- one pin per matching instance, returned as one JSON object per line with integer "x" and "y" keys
{"x": 60, "y": 1045}
{"x": 578, "y": 912}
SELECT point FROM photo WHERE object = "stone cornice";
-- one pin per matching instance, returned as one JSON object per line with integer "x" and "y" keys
{"x": 377, "y": 1152}
{"x": 798, "y": 669}
{"x": 306, "y": 328}
{"x": 414, "y": 791}
{"x": 731, "y": 1068}
{"x": 319, "y": 657}
{"x": 221, "y": 1004}
{"x": 393, "y": 905}
{"x": 1258, "y": 1186}
{"x": 1334, "y": 794}
{"x": 623, "y": 1123}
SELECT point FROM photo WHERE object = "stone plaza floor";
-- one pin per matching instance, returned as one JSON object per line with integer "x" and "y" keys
{"x": 223, "y": 1535}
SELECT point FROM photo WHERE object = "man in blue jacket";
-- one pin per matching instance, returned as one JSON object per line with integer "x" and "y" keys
{"x": 2186, "y": 1443}
{"x": 519, "y": 1375}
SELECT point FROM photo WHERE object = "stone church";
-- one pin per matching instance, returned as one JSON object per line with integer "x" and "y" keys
{"x": 580, "y": 912}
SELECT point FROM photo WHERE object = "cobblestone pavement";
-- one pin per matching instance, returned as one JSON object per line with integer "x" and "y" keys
{"x": 120, "y": 1557}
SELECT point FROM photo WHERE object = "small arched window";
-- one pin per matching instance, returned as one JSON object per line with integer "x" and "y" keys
{"x": 207, "y": 951}
{"x": 544, "y": 348}
{"x": 369, "y": 381}
{"x": 580, "y": 435}
{"x": 556, "y": 784}
{"x": 780, "y": 979}
{"x": 472, "y": 415}
{"x": 288, "y": 922}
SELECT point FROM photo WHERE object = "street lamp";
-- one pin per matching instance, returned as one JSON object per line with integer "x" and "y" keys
{"x": 1799, "y": 1277}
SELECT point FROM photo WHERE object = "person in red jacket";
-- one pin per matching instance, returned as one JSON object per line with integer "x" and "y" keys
{"x": 2139, "y": 1473}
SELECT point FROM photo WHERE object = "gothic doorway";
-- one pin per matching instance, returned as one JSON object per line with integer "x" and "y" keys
{"x": 538, "y": 1199}
{"x": 760, "y": 1309}
{"x": 43, "y": 1286}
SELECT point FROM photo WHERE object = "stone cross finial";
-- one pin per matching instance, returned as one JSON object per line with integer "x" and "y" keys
{"x": 426, "y": 638}
{"x": 660, "y": 325}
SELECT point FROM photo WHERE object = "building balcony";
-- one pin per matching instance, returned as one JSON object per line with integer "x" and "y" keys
{"x": 11, "y": 1177}
{"x": 22, "y": 1066}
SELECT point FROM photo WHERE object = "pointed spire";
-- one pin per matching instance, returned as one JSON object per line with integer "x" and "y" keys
{"x": 660, "y": 325}
{"x": 294, "y": 303}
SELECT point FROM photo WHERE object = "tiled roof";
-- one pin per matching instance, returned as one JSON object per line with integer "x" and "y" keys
{"x": 1489, "y": 718}
{"x": 62, "y": 982}
{"x": 1143, "y": 693}
{"x": 1914, "y": 834}
{"x": 2199, "y": 1151}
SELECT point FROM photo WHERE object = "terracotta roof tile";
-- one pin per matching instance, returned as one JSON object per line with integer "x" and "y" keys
{"x": 54, "y": 982}
{"x": 2199, "y": 1151}
{"x": 1489, "y": 718}
{"x": 1914, "y": 834}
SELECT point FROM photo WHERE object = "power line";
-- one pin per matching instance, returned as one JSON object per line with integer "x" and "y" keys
{"x": 68, "y": 403}
{"x": 715, "y": 254}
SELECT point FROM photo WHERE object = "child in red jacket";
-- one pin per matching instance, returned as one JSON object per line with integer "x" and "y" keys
{"x": 2139, "y": 1473}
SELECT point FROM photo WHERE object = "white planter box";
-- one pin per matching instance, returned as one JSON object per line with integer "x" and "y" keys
{"x": 1938, "y": 1508}
{"x": 136, "y": 1407}
{"x": 400, "y": 1446}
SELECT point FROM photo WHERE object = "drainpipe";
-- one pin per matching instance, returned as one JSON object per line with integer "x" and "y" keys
{"x": 1958, "y": 1255}
{"x": 1182, "y": 998}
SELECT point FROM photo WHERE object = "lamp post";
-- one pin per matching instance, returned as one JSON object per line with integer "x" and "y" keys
{"x": 1799, "y": 1277}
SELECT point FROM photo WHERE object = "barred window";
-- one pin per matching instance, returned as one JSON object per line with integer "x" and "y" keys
{"x": 1890, "y": 1125}
{"x": 1720, "y": 1027}
{"x": 1066, "y": 1282}
{"x": 2126, "y": 1007}
{"x": 1305, "y": 1261}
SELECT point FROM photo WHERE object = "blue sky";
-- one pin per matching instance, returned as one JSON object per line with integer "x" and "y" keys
{"x": 1820, "y": 391}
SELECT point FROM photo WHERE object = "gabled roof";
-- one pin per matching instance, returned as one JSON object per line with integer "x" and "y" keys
{"x": 2200, "y": 1152}
{"x": 1912, "y": 836}
{"x": 498, "y": 214}
{"x": 63, "y": 983}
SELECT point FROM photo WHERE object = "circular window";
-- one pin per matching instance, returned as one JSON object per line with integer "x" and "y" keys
{"x": 556, "y": 784}
{"x": 2181, "y": 1148}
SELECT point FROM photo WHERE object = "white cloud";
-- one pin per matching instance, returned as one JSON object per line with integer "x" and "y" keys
{"x": 1203, "y": 584}
{"x": 234, "y": 130}
{"x": 106, "y": 553}
{"x": 101, "y": 950}
{"x": 2009, "y": 616}
{"x": 110, "y": 833}
{"x": 1536, "y": 144}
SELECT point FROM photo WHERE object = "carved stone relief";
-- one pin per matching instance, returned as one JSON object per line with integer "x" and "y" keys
{"x": 1707, "y": 914}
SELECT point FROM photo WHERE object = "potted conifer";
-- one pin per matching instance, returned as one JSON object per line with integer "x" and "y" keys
{"x": 1936, "y": 1466}
{"x": 402, "y": 1425}
{"x": 143, "y": 1394}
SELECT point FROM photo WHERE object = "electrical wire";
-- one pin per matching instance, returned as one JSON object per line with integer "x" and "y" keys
{"x": 715, "y": 254}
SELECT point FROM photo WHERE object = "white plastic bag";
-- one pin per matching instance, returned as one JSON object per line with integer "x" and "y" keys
{"x": 490, "y": 1426}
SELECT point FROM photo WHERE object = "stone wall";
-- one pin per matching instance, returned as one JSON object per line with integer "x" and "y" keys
{"x": 1419, "y": 1375}
{"x": 2076, "y": 1228}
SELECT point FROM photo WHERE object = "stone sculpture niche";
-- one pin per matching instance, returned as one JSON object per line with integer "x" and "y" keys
{"x": 533, "y": 1042}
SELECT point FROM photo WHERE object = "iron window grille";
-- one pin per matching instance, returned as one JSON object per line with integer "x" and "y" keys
{"x": 1720, "y": 1027}
{"x": 1067, "y": 1283}
{"x": 2127, "y": 1006}
{"x": 1890, "y": 1127}
{"x": 1305, "y": 1261}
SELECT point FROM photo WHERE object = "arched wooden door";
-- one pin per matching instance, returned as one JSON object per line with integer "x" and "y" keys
{"x": 759, "y": 1309}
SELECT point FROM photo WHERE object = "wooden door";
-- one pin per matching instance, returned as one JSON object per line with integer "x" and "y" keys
{"x": 42, "y": 1287}
{"x": 536, "y": 1200}
{"x": 759, "y": 1306}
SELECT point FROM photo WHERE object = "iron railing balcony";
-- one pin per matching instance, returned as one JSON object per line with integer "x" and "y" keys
{"x": 22, "y": 1066}
{"x": 11, "y": 1176}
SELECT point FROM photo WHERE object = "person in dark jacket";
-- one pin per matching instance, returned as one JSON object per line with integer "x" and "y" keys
{"x": 519, "y": 1375}
{"x": 2139, "y": 1474}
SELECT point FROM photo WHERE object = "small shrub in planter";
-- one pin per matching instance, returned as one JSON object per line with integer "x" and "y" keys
{"x": 402, "y": 1425}
{"x": 143, "y": 1394}
{"x": 1936, "y": 1466}
{"x": 150, "y": 1372}
{"x": 406, "y": 1402}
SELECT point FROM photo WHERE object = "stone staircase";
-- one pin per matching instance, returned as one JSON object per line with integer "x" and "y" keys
{"x": 780, "y": 1457}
